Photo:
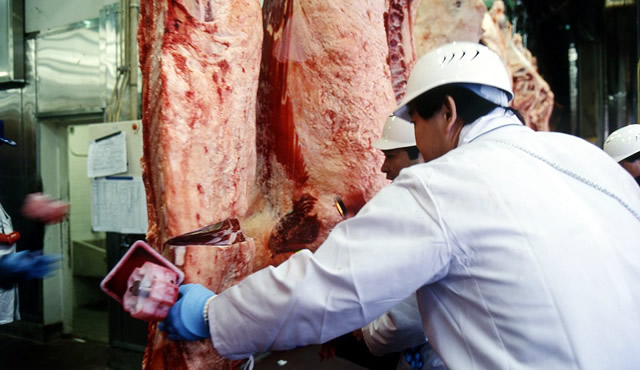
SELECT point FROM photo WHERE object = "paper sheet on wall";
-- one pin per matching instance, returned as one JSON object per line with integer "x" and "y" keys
{"x": 107, "y": 155}
{"x": 119, "y": 205}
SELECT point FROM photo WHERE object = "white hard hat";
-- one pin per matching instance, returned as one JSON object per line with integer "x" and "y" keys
{"x": 469, "y": 64}
{"x": 623, "y": 142}
{"x": 397, "y": 133}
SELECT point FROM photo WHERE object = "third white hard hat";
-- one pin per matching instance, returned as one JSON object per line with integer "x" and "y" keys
{"x": 459, "y": 62}
{"x": 397, "y": 133}
{"x": 623, "y": 142}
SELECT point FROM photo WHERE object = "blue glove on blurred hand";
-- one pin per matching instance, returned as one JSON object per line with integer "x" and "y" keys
{"x": 25, "y": 265}
{"x": 43, "y": 265}
{"x": 29, "y": 265}
{"x": 185, "y": 320}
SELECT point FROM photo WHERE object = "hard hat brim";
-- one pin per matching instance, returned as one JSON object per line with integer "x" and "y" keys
{"x": 386, "y": 144}
{"x": 403, "y": 112}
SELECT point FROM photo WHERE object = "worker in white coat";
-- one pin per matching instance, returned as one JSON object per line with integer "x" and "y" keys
{"x": 24, "y": 265}
{"x": 398, "y": 144}
{"x": 623, "y": 145}
{"x": 522, "y": 246}
{"x": 400, "y": 329}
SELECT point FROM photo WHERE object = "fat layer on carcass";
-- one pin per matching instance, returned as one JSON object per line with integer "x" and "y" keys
{"x": 200, "y": 64}
{"x": 325, "y": 92}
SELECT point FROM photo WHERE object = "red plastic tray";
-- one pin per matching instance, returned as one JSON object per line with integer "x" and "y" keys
{"x": 115, "y": 283}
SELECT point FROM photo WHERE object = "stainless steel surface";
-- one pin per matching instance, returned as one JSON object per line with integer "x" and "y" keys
{"x": 68, "y": 69}
{"x": 109, "y": 50}
{"x": 134, "y": 10}
{"x": 42, "y": 15}
{"x": 10, "y": 103}
{"x": 29, "y": 144}
{"x": 11, "y": 41}
{"x": 12, "y": 158}
{"x": 118, "y": 24}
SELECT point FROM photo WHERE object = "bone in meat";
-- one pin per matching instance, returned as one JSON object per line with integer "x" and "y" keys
{"x": 402, "y": 54}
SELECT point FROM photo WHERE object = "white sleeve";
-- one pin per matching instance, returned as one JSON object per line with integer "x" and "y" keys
{"x": 396, "y": 330}
{"x": 367, "y": 265}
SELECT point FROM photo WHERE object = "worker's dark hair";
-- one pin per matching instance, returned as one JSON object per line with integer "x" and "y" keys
{"x": 469, "y": 106}
{"x": 632, "y": 158}
{"x": 413, "y": 152}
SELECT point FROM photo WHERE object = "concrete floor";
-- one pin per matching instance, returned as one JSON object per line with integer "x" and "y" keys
{"x": 60, "y": 354}
{"x": 87, "y": 349}
{"x": 91, "y": 323}
{"x": 75, "y": 354}
{"x": 304, "y": 358}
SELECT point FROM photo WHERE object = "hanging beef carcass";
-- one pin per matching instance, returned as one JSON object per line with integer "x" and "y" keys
{"x": 325, "y": 91}
{"x": 324, "y": 94}
{"x": 200, "y": 65}
{"x": 532, "y": 95}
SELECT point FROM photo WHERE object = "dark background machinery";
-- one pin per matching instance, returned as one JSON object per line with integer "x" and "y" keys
{"x": 587, "y": 50}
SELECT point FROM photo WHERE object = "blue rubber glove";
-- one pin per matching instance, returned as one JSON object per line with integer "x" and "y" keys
{"x": 26, "y": 265}
{"x": 185, "y": 320}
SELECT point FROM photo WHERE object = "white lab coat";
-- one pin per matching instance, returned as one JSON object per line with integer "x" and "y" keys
{"x": 396, "y": 330}
{"x": 8, "y": 297}
{"x": 399, "y": 329}
{"x": 523, "y": 246}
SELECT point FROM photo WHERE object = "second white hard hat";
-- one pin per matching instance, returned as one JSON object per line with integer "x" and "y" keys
{"x": 623, "y": 142}
{"x": 470, "y": 64}
{"x": 397, "y": 133}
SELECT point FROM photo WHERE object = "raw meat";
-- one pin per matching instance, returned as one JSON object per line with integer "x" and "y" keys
{"x": 402, "y": 54}
{"x": 414, "y": 27}
{"x": 532, "y": 95}
{"x": 325, "y": 92}
{"x": 200, "y": 62}
{"x": 222, "y": 257}
{"x": 151, "y": 291}
{"x": 438, "y": 22}
{"x": 493, "y": 39}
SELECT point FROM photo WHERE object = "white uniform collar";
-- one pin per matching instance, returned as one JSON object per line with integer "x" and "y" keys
{"x": 496, "y": 118}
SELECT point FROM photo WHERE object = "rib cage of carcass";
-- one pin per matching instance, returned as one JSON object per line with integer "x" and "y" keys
{"x": 258, "y": 126}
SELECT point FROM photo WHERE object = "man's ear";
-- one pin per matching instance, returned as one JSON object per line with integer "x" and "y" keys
{"x": 453, "y": 125}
